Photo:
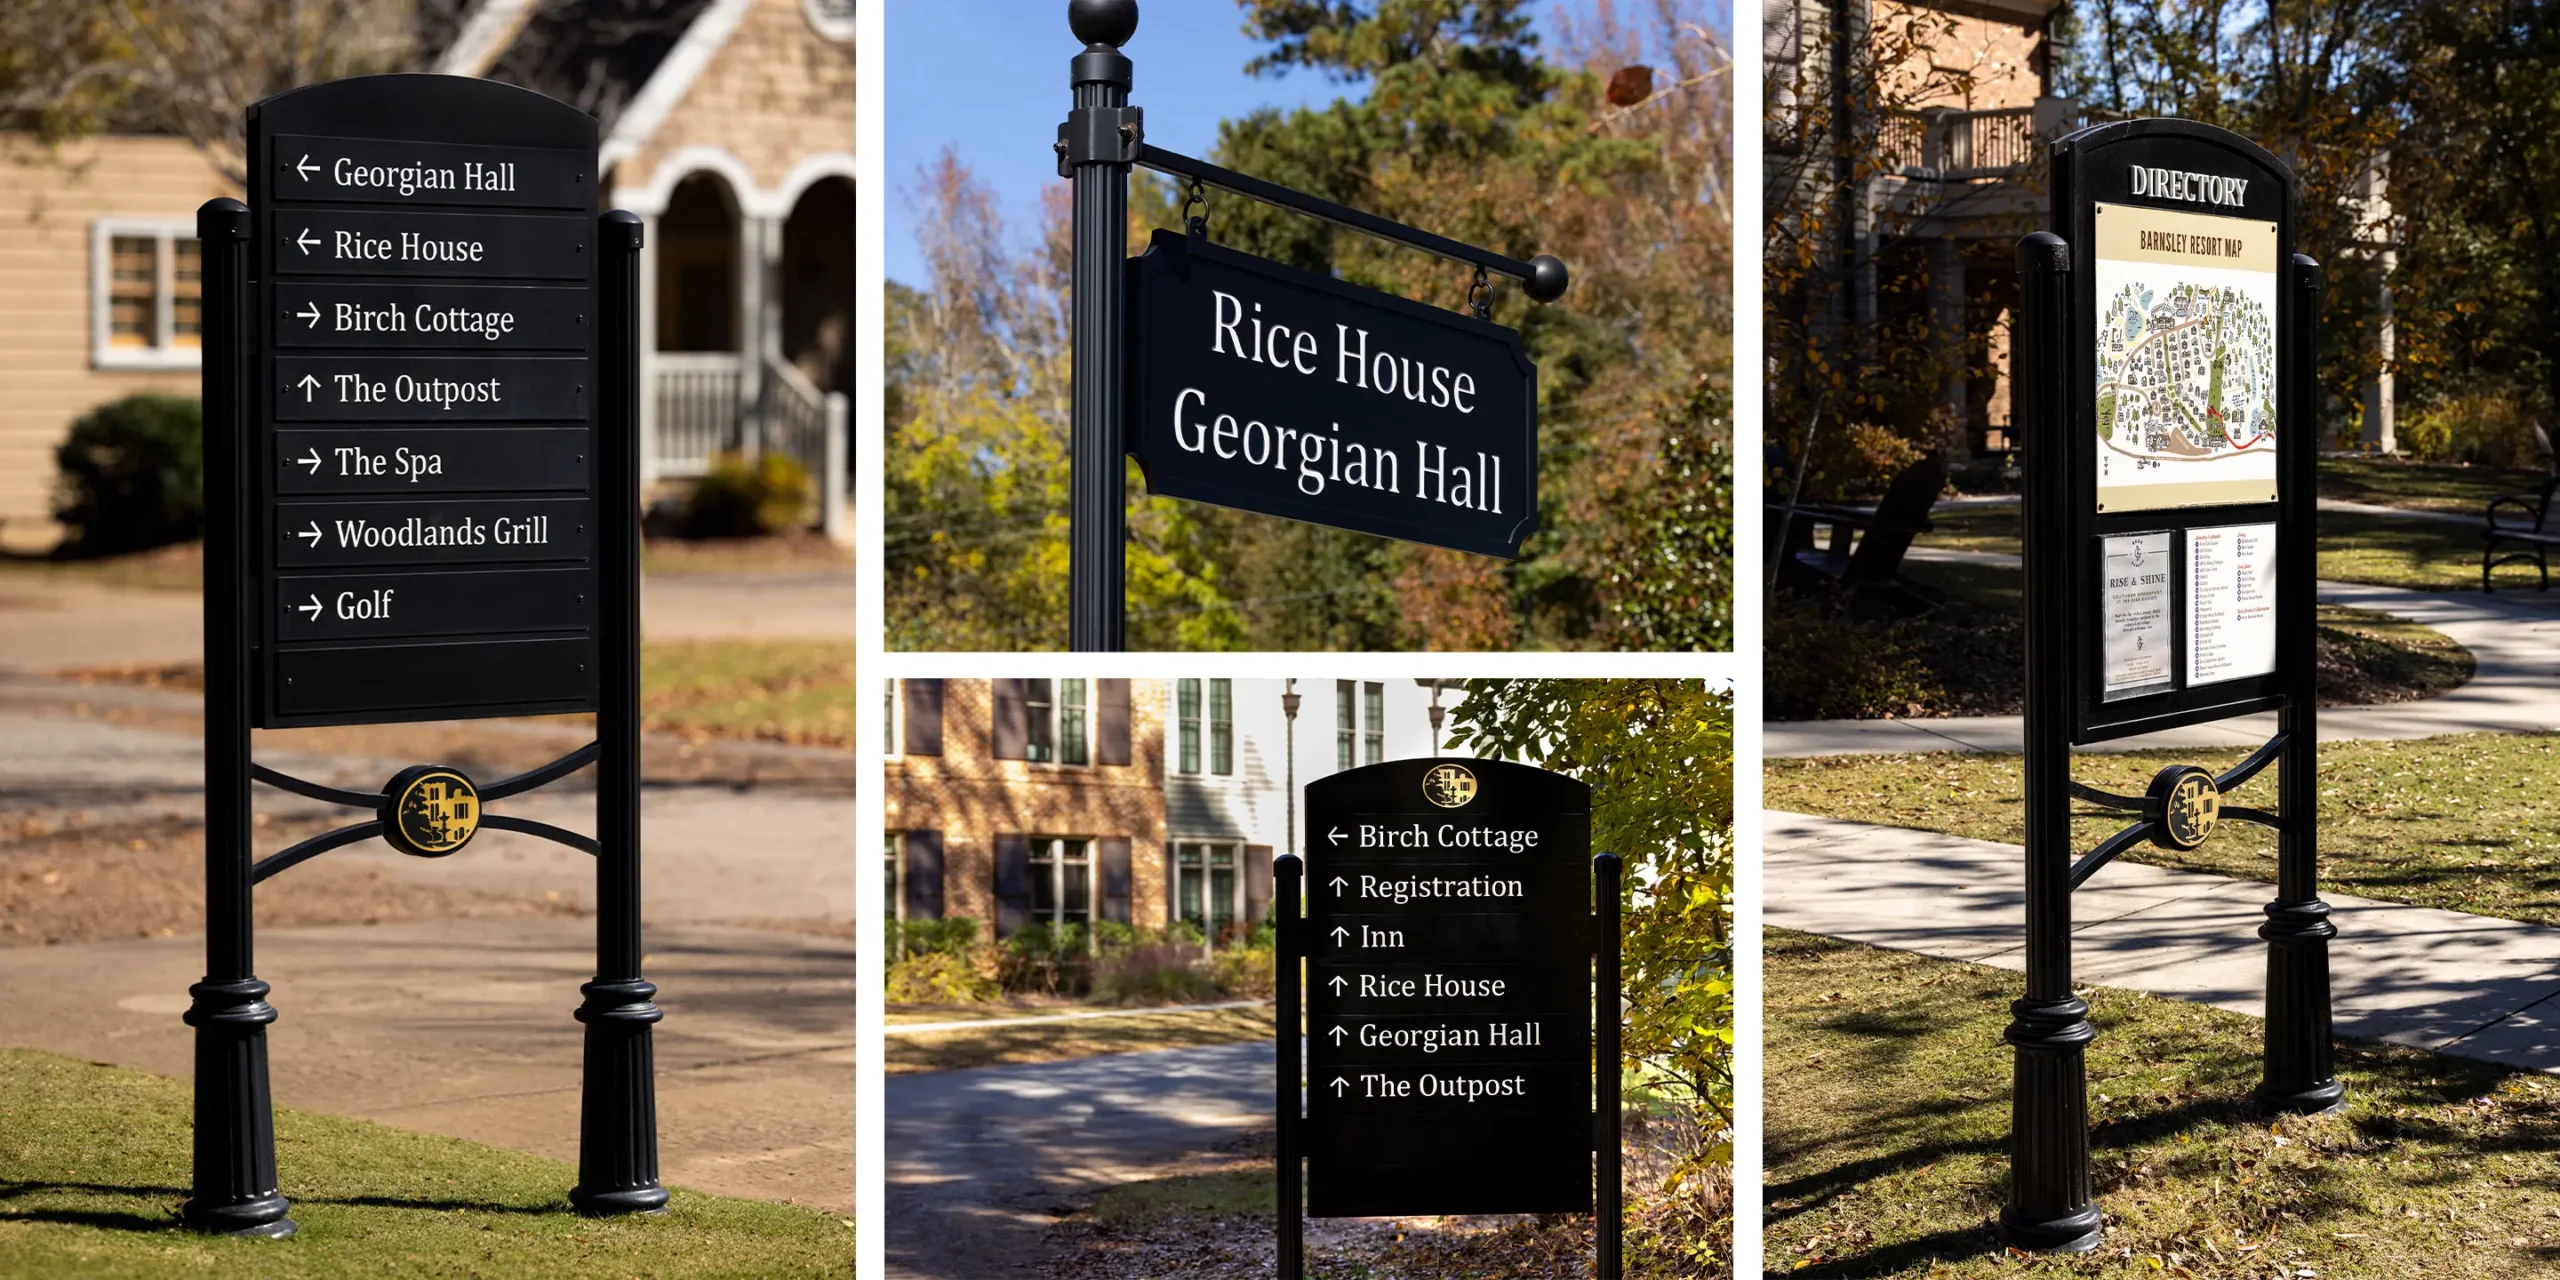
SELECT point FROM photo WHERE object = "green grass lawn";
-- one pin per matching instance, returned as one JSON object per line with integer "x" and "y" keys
{"x": 2420, "y": 486}
{"x": 2419, "y": 554}
{"x": 1887, "y": 1122}
{"x": 94, "y": 1164}
{"x": 2467, "y": 823}
{"x": 782, "y": 690}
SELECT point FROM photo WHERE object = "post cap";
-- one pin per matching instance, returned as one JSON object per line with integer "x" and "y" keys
{"x": 623, "y": 229}
{"x": 1103, "y": 22}
{"x": 1547, "y": 278}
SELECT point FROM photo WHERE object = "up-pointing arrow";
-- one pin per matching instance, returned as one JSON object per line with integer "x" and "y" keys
{"x": 1337, "y": 984}
{"x": 1337, "y": 882}
{"x": 308, "y": 385}
{"x": 310, "y": 462}
{"x": 305, "y": 167}
{"x": 310, "y": 312}
{"x": 1337, "y": 1036}
{"x": 1339, "y": 933}
{"x": 1335, "y": 836}
{"x": 304, "y": 242}
{"x": 312, "y": 534}
{"x": 1340, "y": 1084}
{"x": 311, "y": 610}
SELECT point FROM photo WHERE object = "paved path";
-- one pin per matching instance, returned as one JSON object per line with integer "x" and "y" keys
{"x": 2516, "y": 688}
{"x": 982, "y": 1161}
{"x": 47, "y": 622}
{"x": 2467, "y": 985}
{"x": 463, "y": 1027}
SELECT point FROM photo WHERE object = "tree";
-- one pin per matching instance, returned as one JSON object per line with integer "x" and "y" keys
{"x": 1659, "y": 757}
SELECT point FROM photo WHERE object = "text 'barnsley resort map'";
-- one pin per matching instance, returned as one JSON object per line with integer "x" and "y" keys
{"x": 2186, "y": 387}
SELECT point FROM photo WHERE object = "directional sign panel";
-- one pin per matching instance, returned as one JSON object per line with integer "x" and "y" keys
{"x": 425, "y": 254}
{"x": 1265, "y": 388}
{"x": 1449, "y": 997}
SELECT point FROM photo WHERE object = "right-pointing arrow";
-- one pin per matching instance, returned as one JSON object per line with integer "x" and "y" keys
{"x": 310, "y": 461}
{"x": 310, "y": 313}
{"x": 310, "y": 609}
{"x": 311, "y": 535}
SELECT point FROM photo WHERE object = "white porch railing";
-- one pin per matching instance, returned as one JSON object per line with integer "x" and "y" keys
{"x": 701, "y": 414}
{"x": 697, "y": 402}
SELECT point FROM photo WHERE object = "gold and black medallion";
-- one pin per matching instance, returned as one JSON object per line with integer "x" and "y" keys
{"x": 1449, "y": 786}
{"x": 430, "y": 811}
{"x": 2186, "y": 805}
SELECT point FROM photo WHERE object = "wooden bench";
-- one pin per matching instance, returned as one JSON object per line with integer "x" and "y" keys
{"x": 2521, "y": 529}
{"x": 1863, "y": 556}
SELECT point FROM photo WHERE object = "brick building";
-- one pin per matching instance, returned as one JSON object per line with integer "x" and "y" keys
{"x": 728, "y": 125}
{"x": 1143, "y": 802}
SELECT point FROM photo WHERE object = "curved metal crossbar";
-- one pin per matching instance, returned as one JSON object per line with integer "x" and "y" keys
{"x": 2107, "y": 850}
{"x": 1181, "y": 166}
{"x": 313, "y": 848}
{"x": 528, "y": 826}
{"x": 2243, "y": 813}
{"x": 544, "y": 776}
{"x": 2249, "y": 768}
{"x": 2106, "y": 799}
{"x": 315, "y": 790}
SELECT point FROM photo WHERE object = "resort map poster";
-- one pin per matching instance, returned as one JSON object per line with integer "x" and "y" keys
{"x": 2186, "y": 338}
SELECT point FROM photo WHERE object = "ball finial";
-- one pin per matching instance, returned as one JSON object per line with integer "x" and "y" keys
{"x": 1106, "y": 22}
{"x": 1547, "y": 278}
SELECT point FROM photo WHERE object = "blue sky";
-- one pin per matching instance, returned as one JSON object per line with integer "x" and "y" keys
{"x": 989, "y": 77}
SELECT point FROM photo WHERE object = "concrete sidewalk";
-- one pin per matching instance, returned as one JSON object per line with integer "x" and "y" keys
{"x": 464, "y": 1027}
{"x": 2516, "y": 688}
{"x": 2472, "y": 986}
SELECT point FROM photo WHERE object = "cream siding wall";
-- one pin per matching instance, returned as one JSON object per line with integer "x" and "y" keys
{"x": 775, "y": 92}
{"x": 49, "y": 201}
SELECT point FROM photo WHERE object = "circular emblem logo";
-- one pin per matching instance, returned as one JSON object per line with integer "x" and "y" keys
{"x": 1449, "y": 785}
{"x": 430, "y": 811}
{"x": 2189, "y": 805}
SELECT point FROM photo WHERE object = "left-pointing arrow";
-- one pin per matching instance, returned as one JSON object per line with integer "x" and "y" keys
{"x": 304, "y": 242}
{"x": 305, "y": 167}
{"x": 310, "y": 609}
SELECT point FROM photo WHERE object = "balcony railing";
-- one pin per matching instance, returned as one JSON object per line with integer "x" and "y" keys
{"x": 1976, "y": 146}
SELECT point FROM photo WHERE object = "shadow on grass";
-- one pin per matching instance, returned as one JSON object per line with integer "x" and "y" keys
{"x": 12, "y": 1192}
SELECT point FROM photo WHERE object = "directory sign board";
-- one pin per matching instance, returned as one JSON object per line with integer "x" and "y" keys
{"x": 1261, "y": 387}
{"x": 1449, "y": 990}
{"x": 424, "y": 266}
{"x": 2179, "y": 507}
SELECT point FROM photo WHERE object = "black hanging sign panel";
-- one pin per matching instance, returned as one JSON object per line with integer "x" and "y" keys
{"x": 2182, "y": 507}
{"x": 1449, "y": 990}
{"x": 425, "y": 269}
{"x": 1274, "y": 390}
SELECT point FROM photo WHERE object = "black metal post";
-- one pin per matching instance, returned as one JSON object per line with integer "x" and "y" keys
{"x": 1288, "y": 873}
{"x": 235, "y": 1132}
{"x": 1096, "y": 147}
{"x": 2301, "y": 1072}
{"x": 1607, "y": 879}
{"x": 618, "y": 1096}
{"x": 2050, "y": 1204}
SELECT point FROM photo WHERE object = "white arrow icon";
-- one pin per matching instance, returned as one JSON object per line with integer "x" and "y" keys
{"x": 310, "y": 462}
{"x": 311, "y": 611}
{"x": 312, "y": 534}
{"x": 1339, "y": 933}
{"x": 1337, "y": 882}
{"x": 305, "y": 167}
{"x": 1337, "y": 1037}
{"x": 1340, "y": 1084}
{"x": 310, "y": 313}
{"x": 1335, "y": 836}
{"x": 1337, "y": 984}
{"x": 308, "y": 385}
{"x": 304, "y": 242}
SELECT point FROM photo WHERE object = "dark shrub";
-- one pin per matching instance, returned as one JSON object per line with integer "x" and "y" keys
{"x": 742, "y": 499}
{"x": 132, "y": 476}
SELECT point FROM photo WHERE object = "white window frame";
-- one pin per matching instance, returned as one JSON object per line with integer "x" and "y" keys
{"x": 163, "y": 353}
{"x": 1056, "y": 722}
{"x": 1057, "y": 871}
{"x": 1208, "y": 851}
{"x": 895, "y": 714}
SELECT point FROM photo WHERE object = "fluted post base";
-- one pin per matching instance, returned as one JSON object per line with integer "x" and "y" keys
{"x": 235, "y": 1134}
{"x": 2301, "y": 1066}
{"x": 618, "y": 1102}
{"x": 2050, "y": 1207}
